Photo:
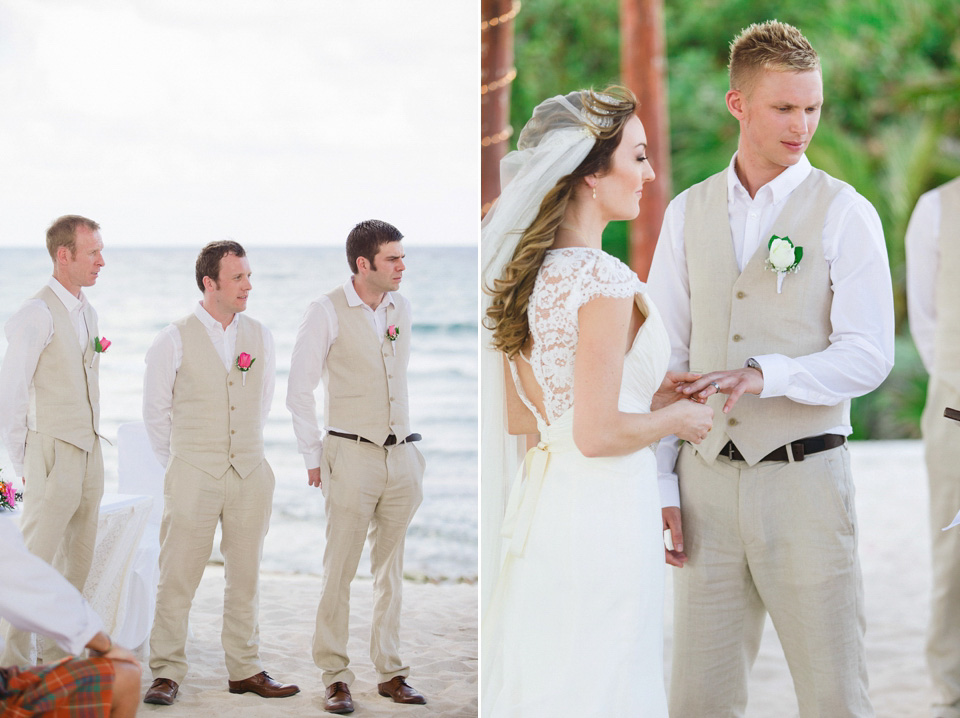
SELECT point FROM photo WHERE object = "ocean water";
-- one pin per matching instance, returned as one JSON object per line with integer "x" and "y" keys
{"x": 141, "y": 290}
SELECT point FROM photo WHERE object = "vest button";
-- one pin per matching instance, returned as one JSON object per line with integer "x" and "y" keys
{"x": 737, "y": 337}
{"x": 233, "y": 408}
{"x": 230, "y": 383}
{"x": 732, "y": 422}
{"x": 233, "y": 456}
{"x": 233, "y": 431}
{"x": 391, "y": 398}
{"x": 741, "y": 295}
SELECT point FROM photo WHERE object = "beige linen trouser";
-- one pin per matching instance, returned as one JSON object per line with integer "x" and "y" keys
{"x": 777, "y": 538}
{"x": 194, "y": 502}
{"x": 61, "y": 506}
{"x": 941, "y": 440}
{"x": 365, "y": 487}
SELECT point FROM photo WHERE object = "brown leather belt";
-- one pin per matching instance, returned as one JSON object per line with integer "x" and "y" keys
{"x": 391, "y": 440}
{"x": 800, "y": 449}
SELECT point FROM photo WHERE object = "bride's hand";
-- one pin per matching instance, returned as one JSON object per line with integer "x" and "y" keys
{"x": 671, "y": 387}
{"x": 695, "y": 420}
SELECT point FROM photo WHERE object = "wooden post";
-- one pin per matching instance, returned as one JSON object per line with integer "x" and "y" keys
{"x": 644, "y": 68}
{"x": 496, "y": 75}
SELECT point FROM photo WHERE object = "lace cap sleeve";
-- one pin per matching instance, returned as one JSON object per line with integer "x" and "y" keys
{"x": 605, "y": 276}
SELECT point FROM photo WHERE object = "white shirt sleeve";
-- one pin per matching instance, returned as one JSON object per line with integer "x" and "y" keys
{"x": 37, "y": 599}
{"x": 28, "y": 332}
{"x": 669, "y": 286}
{"x": 923, "y": 261}
{"x": 860, "y": 354}
{"x": 269, "y": 375}
{"x": 163, "y": 361}
{"x": 314, "y": 339}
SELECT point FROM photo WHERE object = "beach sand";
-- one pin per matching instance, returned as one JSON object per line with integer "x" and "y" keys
{"x": 891, "y": 500}
{"x": 438, "y": 639}
{"x": 439, "y": 627}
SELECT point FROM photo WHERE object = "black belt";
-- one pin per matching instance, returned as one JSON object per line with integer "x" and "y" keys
{"x": 801, "y": 448}
{"x": 391, "y": 440}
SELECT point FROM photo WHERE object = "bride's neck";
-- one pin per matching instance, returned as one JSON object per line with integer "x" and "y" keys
{"x": 580, "y": 227}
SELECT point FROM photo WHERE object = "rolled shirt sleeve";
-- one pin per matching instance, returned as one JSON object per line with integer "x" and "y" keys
{"x": 37, "y": 599}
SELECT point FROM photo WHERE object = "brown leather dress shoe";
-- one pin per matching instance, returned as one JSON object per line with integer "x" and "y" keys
{"x": 161, "y": 692}
{"x": 263, "y": 685}
{"x": 339, "y": 699}
{"x": 398, "y": 689}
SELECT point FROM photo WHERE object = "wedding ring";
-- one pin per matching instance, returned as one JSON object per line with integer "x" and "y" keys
{"x": 715, "y": 385}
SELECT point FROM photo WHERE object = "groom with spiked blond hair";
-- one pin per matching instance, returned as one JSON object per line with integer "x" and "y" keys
{"x": 773, "y": 278}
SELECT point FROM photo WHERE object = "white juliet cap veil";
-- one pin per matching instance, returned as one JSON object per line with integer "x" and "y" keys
{"x": 551, "y": 145}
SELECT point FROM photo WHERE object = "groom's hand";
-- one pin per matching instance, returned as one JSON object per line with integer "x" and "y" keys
{"x": 313, "y": 477}
{"x": 672, "y": 521}
{"x": 735, "y": 382}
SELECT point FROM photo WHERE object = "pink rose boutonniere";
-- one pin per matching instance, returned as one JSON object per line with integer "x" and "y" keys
{"x": 393, "y": 331}
{"x": 101, "y": 344}
{"x": 244, "y": 362}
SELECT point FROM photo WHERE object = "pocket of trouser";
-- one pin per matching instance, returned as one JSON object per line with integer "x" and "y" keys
{"x": 839, "y": 485}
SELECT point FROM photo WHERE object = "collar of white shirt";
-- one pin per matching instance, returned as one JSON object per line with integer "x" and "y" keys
{"x": 70, "y": 302}
{"x": 209, "y": 322}
{"x": 779, "y": 187}
{"x": 354, "y": 300}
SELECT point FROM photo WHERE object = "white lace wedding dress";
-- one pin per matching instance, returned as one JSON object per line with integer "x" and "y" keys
{"x": 575, "y": 624}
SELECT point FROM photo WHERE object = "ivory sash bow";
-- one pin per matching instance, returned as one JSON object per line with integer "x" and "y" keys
{"x": 524, "y": 497}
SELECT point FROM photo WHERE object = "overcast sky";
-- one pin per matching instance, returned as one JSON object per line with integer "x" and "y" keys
{"x": 268, "y": 121}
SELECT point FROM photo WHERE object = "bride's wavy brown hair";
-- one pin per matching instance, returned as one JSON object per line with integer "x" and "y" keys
{"x": 507, "y": 315}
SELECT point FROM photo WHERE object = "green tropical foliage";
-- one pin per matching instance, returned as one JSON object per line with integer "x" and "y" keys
{"x": 890, "y": 123}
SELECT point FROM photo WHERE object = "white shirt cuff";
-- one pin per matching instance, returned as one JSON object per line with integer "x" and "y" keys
{"x": 776, "y": 374}
{"x": 669, "y": 492}
{"x": 313, "y": 459}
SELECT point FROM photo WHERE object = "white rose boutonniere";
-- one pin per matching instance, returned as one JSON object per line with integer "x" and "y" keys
{"x": 783, "y": 258}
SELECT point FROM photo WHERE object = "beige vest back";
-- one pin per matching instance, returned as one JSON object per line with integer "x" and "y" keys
{"x": 216, "y": 413}
{"x": 366, "y": 375}
{"x": 946, "y": 363}
{"x": 736, "y": 316}
{"x": 67, "y": 380}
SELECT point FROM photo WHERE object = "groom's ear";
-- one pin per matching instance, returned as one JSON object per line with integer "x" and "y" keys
{"x": 735, "y": 101}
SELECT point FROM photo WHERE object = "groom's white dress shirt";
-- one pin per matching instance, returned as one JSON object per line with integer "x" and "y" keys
{"x": 318, "y": 331}
{"x": 28, "y": 332}
{"x": 164, "y": 358}
{"x": 923, "y": 261}
{"x": 37, "y": 599}
{"x": 861, "y": 348}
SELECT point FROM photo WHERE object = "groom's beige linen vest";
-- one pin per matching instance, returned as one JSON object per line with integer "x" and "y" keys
{"x": 366, "y": 375}
{"x": 946, "y": 362}
{"x": 216, "y": 413}
{"x": 67, "y": 379}
{"x": 735, "y": 316}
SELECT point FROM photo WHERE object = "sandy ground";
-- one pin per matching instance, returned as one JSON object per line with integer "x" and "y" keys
{"x": 891, "y": 499}
{"x": 439, "y": 634}
{"x": 438, "y": 639}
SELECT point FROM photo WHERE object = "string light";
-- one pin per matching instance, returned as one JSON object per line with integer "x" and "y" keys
{"x": 501, "y": 136}
{"x": 501, "y": 82}
{"x": 494, "y": 21}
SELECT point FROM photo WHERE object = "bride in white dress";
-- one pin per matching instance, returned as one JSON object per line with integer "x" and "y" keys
{"x": 573, "y": 622}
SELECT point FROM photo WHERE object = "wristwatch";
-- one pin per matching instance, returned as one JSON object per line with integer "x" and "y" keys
{"x": 754, "y": 364}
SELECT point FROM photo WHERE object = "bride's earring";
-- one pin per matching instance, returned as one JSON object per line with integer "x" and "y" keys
{"x": 594, "y": 192}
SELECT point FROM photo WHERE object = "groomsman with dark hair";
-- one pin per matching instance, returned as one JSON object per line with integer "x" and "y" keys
{"x": 206, "y": 396}
{"x": 50, "y": 394}
{"x": 356, "y": 338}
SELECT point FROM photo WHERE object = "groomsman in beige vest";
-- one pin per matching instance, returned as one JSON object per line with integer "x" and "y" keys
{"x": 207, "y": 391}
{"x": 767, "y": 500}
{"x": 50, "y": 394}
{"x": 356, "y": 338}
{"x": 933, "y": 302}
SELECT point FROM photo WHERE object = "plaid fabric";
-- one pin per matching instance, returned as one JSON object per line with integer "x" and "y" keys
{"x": 71, "y": 688}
